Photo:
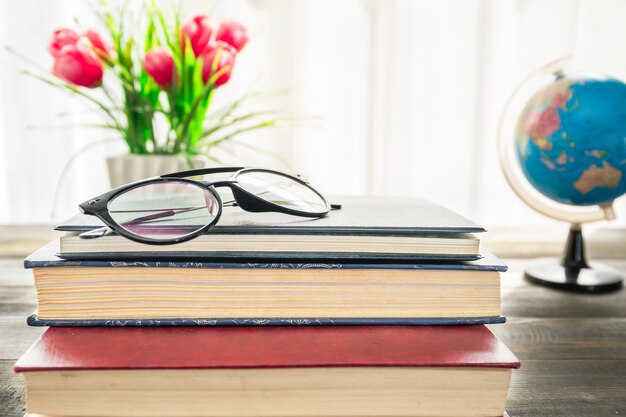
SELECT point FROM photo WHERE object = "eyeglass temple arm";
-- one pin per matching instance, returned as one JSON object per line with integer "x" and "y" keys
{"x": 233, "y": 203}
{"x": 201, "y": 171}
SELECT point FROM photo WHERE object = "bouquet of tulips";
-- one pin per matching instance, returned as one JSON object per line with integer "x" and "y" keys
{"x": 165, "y": 77}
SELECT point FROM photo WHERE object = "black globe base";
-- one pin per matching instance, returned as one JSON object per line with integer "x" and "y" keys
{"x": 584, "y": 280}
{"x": 573, "y": 273}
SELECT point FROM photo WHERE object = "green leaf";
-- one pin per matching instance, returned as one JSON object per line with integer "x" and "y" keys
{"x": 268, "y": 123}
{"x": 76, "y": 91}
{"x": 83, "y": 125}
{"x": 258, "y": 149}
{"x": 224, "y": 123}
{"x": 226, "y": 111}
{"x": 150, "y": 40}
{"x": 166, "y": 38}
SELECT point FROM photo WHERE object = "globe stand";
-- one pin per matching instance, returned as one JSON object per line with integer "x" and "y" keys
{"x": 573, "y": 273}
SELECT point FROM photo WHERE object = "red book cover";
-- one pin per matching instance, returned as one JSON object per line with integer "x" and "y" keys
{"x": 67, "y": 348}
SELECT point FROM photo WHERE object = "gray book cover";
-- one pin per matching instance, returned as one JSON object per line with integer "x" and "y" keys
{"x": 358, "y": 214}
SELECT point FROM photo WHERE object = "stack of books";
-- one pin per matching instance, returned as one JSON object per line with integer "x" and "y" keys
{"x": 378, "y": 309}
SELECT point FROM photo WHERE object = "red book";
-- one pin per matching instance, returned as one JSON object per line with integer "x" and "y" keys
{"x": 378, "y": 370}
{"x": 69, "y": 348}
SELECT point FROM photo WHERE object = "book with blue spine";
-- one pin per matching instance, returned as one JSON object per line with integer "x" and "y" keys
{"x": 269, "y": 293}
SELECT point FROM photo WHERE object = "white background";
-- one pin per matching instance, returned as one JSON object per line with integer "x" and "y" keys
{"x": 400, "y": 97}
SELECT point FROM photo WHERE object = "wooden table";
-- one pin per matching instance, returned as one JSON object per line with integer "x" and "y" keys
{"x": 572, "y": 347}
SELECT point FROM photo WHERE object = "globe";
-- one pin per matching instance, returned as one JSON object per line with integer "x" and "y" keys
{"x": 562, "y": 149}
{"x": 571, "y": 139}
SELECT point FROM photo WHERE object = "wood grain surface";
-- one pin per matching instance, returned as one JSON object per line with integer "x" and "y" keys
{"x": 572, "y": 347}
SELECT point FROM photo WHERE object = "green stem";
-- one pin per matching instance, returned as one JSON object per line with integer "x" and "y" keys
{"x": 204, "y": 96}
{"x": 79, "y": 93}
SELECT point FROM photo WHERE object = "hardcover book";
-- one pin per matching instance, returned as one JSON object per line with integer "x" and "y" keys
{"x": 278, "y": 371}
{"x": 364, "y": 227}
{"x": 118, "y": 293}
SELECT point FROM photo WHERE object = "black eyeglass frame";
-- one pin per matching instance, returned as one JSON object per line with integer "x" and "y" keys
{"x": 98, "y": 206}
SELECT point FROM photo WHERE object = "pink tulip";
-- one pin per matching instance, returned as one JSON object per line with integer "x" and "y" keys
{"x": 233, "y": 34}
{"x": 60, "y": 39}
{"x": 198, "y": 30}
{"x": 159, "y": 65}
{"x": 225, "y": 61}
{"x": 101, "y": 48}
{"x": 79, "y": 66}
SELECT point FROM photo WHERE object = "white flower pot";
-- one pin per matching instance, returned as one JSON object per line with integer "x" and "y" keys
{"x": 128, "y": 168}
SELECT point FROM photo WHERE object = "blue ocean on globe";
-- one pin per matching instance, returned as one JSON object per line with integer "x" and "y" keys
{"x": 571, "y": 139}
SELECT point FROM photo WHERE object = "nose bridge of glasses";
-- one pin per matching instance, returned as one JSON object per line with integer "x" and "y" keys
{"x": 202, "y": 171}
{"x": 219, "y": 182}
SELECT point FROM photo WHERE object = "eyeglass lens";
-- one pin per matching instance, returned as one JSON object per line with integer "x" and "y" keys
{"x": 282, "y": 191}
{"x": 164, "y": 210}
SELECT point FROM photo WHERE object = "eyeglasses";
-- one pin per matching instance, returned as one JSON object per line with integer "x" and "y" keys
{"x": 173, "y": 208}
